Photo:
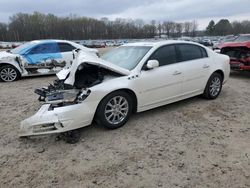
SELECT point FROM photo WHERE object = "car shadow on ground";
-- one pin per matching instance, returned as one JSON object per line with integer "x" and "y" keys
{"x": 240, "y": 74}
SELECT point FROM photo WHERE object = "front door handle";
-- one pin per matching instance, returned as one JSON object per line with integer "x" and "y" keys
{"x": 176, "y": 73}
{"x": 206, "y": 66}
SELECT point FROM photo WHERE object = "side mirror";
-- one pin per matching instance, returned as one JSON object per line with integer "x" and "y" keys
{"x": 151, "y": 64}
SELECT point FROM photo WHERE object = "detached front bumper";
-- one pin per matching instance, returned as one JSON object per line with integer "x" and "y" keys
{"x": 58, "y": 120}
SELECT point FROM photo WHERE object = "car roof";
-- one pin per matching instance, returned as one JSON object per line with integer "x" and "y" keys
{"x": 49, "y": 40}
{"x": 244, "y": 35}
{"x": 160, "y": 43}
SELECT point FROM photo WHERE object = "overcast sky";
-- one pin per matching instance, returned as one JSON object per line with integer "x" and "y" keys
{"x": 160, "y": 10}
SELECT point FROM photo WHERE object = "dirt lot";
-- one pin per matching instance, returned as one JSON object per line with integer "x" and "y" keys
{"x": 192, "y": 143}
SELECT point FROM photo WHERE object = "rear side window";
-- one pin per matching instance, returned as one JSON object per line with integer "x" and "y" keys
{"x": 165, "y": 55}
{"x": 203, "y": 52}
{"x": 64, "y": 47}
{"x": 191, "y": 52}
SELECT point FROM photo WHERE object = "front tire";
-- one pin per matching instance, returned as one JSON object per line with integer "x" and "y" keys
{"x": 114, "y": 110}
{"x": 213, "y": 87}
{"x": 9, "y": 73}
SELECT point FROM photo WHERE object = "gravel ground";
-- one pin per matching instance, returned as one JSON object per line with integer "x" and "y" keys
{"x": 192, "y": 143}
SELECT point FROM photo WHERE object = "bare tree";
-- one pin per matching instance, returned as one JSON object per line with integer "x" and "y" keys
{"x": 167, "y": 27}
{"x": 179, "y": 29}
{"x": 187, "y": 28}
{"x": 194, "y": 27}
{"x": 25, "y": 27}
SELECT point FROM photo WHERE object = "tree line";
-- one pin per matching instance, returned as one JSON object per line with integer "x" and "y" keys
{"x": 25, "y": 27}
{"x": 225, "y": 27}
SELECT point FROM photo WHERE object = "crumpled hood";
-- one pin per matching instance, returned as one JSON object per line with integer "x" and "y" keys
{"x": 4, "y": 55}
{"x": 235, "y": 44}
{"x": 83, "y": 57}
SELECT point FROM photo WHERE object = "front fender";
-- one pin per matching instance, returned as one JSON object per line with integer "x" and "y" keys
{"x": 13, "y": 63}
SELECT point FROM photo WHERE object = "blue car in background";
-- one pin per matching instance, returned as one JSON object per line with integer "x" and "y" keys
{"x": 40, "y": 57}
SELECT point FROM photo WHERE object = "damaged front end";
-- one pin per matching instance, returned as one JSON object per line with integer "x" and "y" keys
{"x": 59, "y": 92}
{"x": 68, "y": 103}
{"x": 239, "y": 57}
{"x": 60, "y": 111}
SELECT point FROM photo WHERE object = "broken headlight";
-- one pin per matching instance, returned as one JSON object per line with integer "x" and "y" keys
{"x": 81, "y": 96}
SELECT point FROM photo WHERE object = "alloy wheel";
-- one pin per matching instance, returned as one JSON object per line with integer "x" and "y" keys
{"x": 116, "y": 110}
{"x": 215, "y": 86}
{"x": 8, "y": 74}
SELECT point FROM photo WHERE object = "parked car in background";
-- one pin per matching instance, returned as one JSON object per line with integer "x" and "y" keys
{"x": 131, "y": 78}
{"x": 109, "y": 43}
{"x": 5, "y": 45}
{"x": 229, "y": 38}
{"x": 99, "y": 44}
{"x": 38, "y": 57}
{"x": 89, "y": 44}
{"x": 16, "y": 44}
{"x": 206, "y": 42}
{"x": 239, "y": 52}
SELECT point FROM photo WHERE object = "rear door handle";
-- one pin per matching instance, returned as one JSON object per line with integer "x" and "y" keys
{"x": 205, "y": 66}
{"x": 176, "y": 73}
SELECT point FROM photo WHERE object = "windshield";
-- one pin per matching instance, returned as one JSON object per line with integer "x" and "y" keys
{"x": 228, "y": 39}
{"x": 22, "y": 48}
{"x": 126, "y": 56}
{"x": 243, "y": 38}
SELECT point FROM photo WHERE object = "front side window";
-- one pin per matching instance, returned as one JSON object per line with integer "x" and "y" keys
{"x": 126, "y": 57}
{"x": 45, "y": 48}
{"x": 190, "y": 52}
{"x": 165, "y": 55}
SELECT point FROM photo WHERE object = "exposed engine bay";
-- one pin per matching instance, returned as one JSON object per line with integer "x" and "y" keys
{"x": 62, "y": 94}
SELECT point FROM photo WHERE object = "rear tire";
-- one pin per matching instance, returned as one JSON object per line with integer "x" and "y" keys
{"x": 114, "y": 110}
{"x": 213, "y": 87}
{"x": 9, "y": 73}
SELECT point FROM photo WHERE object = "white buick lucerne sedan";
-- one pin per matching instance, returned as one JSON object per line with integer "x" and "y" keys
{"x": 131, "y": 78}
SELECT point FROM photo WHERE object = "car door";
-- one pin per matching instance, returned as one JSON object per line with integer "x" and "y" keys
{"x": 162, "y": 84}
{"x": 196, "y": 68}
{"x": 43, "y": 55}
{"x": 66, "y": 50}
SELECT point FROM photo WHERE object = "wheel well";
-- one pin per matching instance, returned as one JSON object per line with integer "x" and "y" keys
{"x": 130, "y": 93}
{"x": 133, "y": 96}
{"x": 221, "y": 73}
{"x": 5, "y": 64}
